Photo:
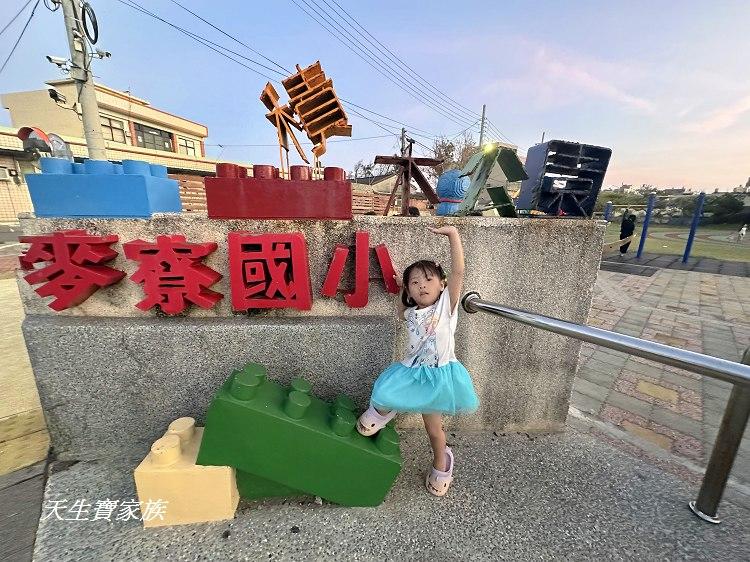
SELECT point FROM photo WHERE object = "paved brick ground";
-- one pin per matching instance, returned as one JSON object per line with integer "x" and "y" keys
{"x": 675, "y": 410}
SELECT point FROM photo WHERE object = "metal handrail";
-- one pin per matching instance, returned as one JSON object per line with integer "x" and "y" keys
{"x": 736, "y": 413}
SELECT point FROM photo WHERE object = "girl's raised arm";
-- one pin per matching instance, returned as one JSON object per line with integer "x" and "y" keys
{"x": 456, "y": 278}
{"x": 399, "y": 303}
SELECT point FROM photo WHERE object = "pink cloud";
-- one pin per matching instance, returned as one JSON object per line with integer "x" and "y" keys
{"x": 720, "y": 118}
{"x": 553, "y": 79}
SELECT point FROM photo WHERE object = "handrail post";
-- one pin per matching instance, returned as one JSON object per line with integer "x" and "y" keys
{"x": 725, "y": 450}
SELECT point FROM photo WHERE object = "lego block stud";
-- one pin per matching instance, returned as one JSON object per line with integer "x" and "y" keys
{"x": 55, "y": 165}
{"x": 296, "y": 404}
{"x": 387, "y": 441}
{"x": 166, "y": 450}
{"x": 343, "y": 422}
{"x": 184, "y": 428}
{"x": 300, "y": 173}
{"x": 136, "y": 167}
{"x": 343, "y": 401}
{"x": 158, "y": 171}
{"x": 99, "y": 167}
{"x": 301, "y": 385}
{"x": 245, "y": 385}
{"x": 331, "y": 173}
{"x": 256, "y": 369}
{"x": 263, "y": 172}
{"x": 226, "y": 170}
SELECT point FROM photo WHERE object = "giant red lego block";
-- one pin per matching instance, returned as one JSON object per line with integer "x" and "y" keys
{"x": 233, "y": 195}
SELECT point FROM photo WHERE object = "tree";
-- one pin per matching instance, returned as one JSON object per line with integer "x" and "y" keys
{"x": 617, "y": 198}
{"x": 725, "y": 207}
{"x": 362, "y": 170}
{"x": 454, "y": 153}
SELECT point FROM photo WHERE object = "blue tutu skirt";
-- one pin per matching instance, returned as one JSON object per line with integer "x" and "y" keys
{"x": 426, "y": 390}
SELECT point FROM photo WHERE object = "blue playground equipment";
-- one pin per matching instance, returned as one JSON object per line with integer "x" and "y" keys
{"x": 697, "y": 214}
{"x": 451, "y": 188}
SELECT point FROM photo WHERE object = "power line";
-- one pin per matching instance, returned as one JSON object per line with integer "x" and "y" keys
{"x": 411, "y": 73}
{"x": 409, "y": 70}
{"x": 210, "y": 44}
{"x": 379, "y": 124}
{"x": 340, "y": 25}
{"x": 407, "y": 78}
{"x": 384, "y": 117}
{"x": 232, "y": 37}
{"x": 497, "y": 131}
{"x": 223, "y": 145}
{"x": 206, "y": 42}
{"x": 338, "y": 37}
{"x": 16, "y": 16}
{"x": 392, "y": 56}
{"x": 13, "y": 50}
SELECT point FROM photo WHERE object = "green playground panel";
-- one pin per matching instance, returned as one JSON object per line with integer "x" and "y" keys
{"x": 297, "y": 440}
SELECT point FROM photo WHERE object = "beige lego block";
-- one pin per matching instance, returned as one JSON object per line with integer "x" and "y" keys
{"x": 189, "y": 493}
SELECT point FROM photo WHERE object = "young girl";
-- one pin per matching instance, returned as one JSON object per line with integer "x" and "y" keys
{"x": 430, "y": 380}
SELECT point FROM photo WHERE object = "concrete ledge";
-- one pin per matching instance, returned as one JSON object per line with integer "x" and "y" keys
{"x": 550, "y": 265}
{"x": 546, "y": 498}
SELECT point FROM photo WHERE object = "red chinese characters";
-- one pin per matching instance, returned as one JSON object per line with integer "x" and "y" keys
{"x": 359, "y": 297}
{"x": 269, "y": 271}
{"x": 74, "y": 269}
{"x": 172, "y": 273}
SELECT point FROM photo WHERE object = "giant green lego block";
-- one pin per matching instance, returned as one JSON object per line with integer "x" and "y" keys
{"x": 252, "y": 487}
{"x": 289, "y": 437}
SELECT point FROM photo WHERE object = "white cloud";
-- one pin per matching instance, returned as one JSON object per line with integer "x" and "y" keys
{"x": 554, "y": 78}
{"x": 720, "y": 118}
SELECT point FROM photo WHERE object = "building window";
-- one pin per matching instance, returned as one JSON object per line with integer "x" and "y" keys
{"x": 113, "y": 129}
{"x": 186, "y": 146}
{"x": 155, "y": 139}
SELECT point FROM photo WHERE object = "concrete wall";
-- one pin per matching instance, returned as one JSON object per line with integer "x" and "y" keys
{"x": 112, "y": 377}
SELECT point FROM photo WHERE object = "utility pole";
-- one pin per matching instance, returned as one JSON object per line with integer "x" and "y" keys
{"x": 81, "y": 73}
{"x": 481, "y": 129}
{"x": 403, "y": 141}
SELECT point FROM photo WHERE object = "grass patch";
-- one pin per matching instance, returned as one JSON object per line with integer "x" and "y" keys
{"x": 657, "y": 243}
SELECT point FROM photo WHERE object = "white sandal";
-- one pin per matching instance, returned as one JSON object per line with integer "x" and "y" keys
{"x": 371, "y": 421}
{"x": 437, "y": 481}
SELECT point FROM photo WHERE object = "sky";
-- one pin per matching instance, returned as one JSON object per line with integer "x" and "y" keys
{"x": 666, "y": 85}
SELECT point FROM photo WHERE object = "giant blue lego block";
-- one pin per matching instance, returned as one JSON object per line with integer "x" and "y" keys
{"x": 99, "y": 188}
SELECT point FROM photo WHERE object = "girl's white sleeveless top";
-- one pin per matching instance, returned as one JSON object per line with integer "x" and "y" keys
{"x": 431, "y": 332}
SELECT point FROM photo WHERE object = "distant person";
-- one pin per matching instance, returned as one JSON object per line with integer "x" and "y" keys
{"x": 413, "y": 212}
{"x": 741, "y": 233}
{"x": 626, "y": 229}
